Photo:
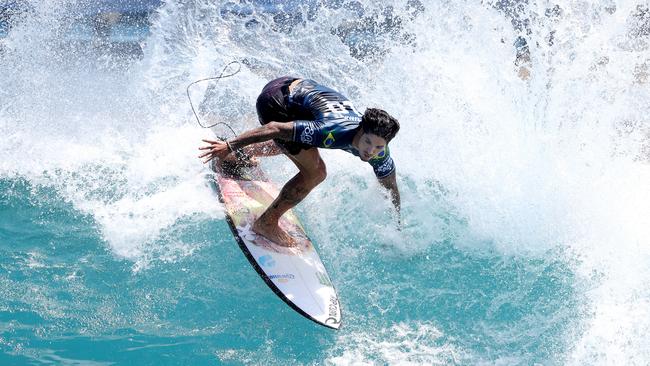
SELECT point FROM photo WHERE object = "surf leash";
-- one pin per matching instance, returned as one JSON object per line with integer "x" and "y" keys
{"x": 221, "y": 76}
{"x": 238, "y": 153}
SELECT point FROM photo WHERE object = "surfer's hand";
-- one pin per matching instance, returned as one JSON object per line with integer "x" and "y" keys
{"x": 215, "y": 149}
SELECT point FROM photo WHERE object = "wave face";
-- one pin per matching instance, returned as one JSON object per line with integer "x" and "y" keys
{"x": 523, "y": 163}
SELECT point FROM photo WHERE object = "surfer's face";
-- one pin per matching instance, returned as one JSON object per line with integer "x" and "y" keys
{"x": 370, "y": 145}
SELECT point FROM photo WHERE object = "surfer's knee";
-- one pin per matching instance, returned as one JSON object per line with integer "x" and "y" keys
{"x": 321, "y": 172}
{"x": 317, "y": 174}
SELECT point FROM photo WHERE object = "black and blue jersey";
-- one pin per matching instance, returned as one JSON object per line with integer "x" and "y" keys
{"x": 335, "y": 123}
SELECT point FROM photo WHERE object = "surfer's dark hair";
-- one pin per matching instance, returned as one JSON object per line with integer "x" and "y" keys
{"x": 380, "y": 123}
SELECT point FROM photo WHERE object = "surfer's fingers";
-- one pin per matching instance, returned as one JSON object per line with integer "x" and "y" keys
{"x": 211, "y": 141}
{"x": 207, "y": 153}
{"x": 211, "y": 152}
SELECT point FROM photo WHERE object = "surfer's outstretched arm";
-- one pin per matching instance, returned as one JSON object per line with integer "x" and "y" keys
{"x": 266, "y": 148}
{"x": 390, "y": 183}
{"x": 272, "y": 130}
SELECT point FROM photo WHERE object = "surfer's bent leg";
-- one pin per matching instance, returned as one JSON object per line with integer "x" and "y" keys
{"x": 311, "y": 173}
{"x": 272, "y": 106}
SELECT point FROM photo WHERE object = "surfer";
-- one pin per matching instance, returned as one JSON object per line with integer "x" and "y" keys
{"x": 298, "y": 116}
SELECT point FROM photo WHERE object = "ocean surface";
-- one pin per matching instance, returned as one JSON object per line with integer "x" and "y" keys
{"x": 523, "y": 163}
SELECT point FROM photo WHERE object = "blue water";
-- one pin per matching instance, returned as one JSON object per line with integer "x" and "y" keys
{"x": 67, "y": 298}
{"x": 525, "y": 201}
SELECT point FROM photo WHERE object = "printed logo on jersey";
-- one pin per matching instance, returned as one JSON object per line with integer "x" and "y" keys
{"x": 329, "y": 140}
{"x": 307, "y": 135}
{"x": 385, "y": 167}
{"x": 380, "y": 155}
{"x": 340, "y": 109}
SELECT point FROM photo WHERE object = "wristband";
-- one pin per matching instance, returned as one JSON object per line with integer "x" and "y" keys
{"x": 229, "y": 146}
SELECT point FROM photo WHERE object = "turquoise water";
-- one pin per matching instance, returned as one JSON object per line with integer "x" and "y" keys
{"x": 525, "y": 201}
{"x": 69, "y": 299}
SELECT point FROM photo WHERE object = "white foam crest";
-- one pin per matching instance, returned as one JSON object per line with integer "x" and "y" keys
{"x": 555, "y": 161}
{"x": 615, "y": 334}
{"x": 404, "y": 343}
{"x": 165, "y": 184}
{"x": 135, "y": 190}
{"x": 512, "y": 171}
{"x": 105, "y": 139}
{"x": 614, "y": 252}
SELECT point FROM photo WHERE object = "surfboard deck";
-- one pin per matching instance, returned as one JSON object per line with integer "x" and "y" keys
{"x": 294, "y": 273}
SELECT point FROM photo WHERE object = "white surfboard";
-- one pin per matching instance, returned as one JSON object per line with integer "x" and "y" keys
{"x": 294, "y": 273}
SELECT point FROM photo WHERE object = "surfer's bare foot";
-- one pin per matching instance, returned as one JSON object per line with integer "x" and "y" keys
{"x": 274, "y": 233}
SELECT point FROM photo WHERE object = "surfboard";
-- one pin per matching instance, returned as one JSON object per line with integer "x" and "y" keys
{"x": 296, "y": 273}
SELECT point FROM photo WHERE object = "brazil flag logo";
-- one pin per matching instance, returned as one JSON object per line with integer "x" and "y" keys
{"x": 329, "y": 140}
{"x": 380, "y": 155}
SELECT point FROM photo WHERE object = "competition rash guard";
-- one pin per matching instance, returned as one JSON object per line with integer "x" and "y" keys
{"x": 334, "y": 125}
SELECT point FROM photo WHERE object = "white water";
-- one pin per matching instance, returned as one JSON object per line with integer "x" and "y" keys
{"x": 557, "y": 163}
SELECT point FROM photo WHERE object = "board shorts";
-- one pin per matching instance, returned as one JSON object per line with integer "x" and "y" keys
{"x": 273, "y": 105}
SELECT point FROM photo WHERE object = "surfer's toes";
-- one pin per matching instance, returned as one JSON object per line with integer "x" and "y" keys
{"x": 288, "y": 241}
{"x": 282, "y": 238}
{"x": 275, "y": 234}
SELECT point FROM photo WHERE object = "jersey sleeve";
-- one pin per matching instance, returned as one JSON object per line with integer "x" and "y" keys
{"x": 308, "y": 132}
{"x": 382, "y": 164}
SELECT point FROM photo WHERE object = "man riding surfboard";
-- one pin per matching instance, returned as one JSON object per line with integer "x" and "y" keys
{"x": 298, "y": 116}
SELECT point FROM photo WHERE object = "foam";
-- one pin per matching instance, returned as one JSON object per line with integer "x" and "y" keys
{"x": 404, "y": 343}
{"x": 491, "y": 162}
